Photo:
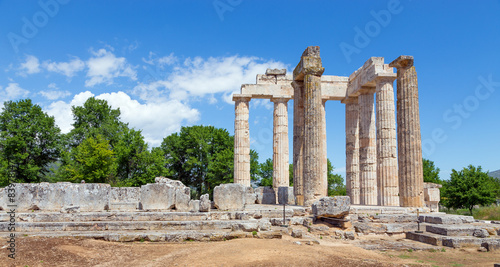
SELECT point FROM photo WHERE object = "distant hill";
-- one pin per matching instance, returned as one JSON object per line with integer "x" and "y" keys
{"x": 495, "y": 174}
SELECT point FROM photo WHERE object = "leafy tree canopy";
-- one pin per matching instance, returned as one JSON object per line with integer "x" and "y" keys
{"x": 469, "y": 187}
{"x": 431, "y": 173}
{"x": 29, "y": 142}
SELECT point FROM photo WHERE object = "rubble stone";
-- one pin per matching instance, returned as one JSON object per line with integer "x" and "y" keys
{"x": 336, "y": 207}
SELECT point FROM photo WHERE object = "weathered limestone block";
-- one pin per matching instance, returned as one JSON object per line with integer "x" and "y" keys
{"x": 336, "y": 207}
{"x": 265, "y": 195}
{"x": 285, "y": 195}
{"x": 205, "y": 203}
{"x": 250, "y": 197}
{"x": 124, "y": 198}
{"x": 276, "y": 72}
{"x": 194, "y": 205}
{"x": 182, "y": 200}
{"x": 266, "y": 79}
{"x": 432, "y": 196}
{"x": 54, "y": 197}
{"x": 229, "y": 196}
{"x": 175, "y": 183}
{"x": 159, "y": 196}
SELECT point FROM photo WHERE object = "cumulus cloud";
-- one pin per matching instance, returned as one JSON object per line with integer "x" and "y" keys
{"x": 104, "y": 66}
{"x": 68, "y": 69}
{"x": 62, "y": 110}
{"x": 30, "y": 66}
{"x": 156, "y": 120}
{"x": 198, "y": 77}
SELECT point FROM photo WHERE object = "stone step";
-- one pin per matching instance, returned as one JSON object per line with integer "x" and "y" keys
{"x": 154, "y": 236}
{"x": 385, "y": 218}
{"x": 233, "y": 225}
{"x": 441, "y": 218}
{"x": 384, "y": 228}
{"x": 492, "y": 243}
{"x": 479, "y": 230}
{"x": 146, "y": 216}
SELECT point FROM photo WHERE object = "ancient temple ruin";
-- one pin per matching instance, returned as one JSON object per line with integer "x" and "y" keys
{"x": 380, "y": 169}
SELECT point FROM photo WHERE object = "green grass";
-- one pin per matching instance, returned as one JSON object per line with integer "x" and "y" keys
{"x": 482, "y": 213}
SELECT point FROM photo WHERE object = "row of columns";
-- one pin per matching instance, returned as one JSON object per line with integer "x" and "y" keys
{"x": 380, "y": 170}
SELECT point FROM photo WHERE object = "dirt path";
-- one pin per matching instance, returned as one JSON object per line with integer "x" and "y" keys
{"x": 239, "y": 252}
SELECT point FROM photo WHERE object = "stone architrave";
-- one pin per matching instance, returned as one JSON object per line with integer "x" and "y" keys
{"x": 310, "y": 70}
{"x": 298, "y": 141}
{"x": 280, "y": 143}
{"x": 411, "y": 181}
{"x": 241, "y": 141}
{"x": 367, "y": 149}
{"x": 387, "y": 163}
{"x": 352, "y": 148}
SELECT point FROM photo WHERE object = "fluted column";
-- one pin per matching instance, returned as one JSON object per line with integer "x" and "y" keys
{"x": 367, "y": 149}
{"x": 280, "y": 143}
{"x": 324, "y": 171}
{"x": 387, "y": 163}
{"x": 298, "y": 141}
{"x": 241, "y": 141}
{"x": 411, "y": 181}
{"x": 352, "y": 148}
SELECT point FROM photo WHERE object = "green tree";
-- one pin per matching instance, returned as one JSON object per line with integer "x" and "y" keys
{"x": 94, "y": 118}
{"x": 266, "y": 173}
{"x": 91, "y": 161}
{"x": 28, "y": 142}
{"x": 336, "y": 186}
{"x": 467, "y": 188}
{"x": 202, "y": 157}
{"x": 431, "y": 173}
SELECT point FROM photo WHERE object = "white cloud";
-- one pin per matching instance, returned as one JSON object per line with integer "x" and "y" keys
{"x": 62, "y": 110}
{"x": 68, "y": 69}
{"x": 104, "y": 66}
{"x": 156, "y": 120}
{"x": 198, "y": 77}
{"x": 55, "y": 93}
{"x": 12, "y": 91}
{"x": 31, "y": 66}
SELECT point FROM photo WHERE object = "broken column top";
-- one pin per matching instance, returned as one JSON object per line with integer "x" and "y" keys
{"x": 311, "y": 51}
{"x": 275, "y": 71}
{"x": 402, "y": 62}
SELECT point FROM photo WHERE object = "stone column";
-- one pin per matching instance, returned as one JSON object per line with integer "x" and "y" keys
{"x": 352, "y": 148}
{"x": 387, "y": 163}
{"x": 298, "y": 141}
{"x": 280, "y": 143}
{"x": 324, "y": 155}
{"x": 241, "y": 141}
{"x": 367, "y": 149}
{"x": 411, "y": 181}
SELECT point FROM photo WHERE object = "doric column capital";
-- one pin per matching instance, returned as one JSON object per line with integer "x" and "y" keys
{"x": 387, "y": 78}
{"x": 281, "y": 99}
{"x": 402, "y": 62}
{"x": 316, "y": 71}
{"x": 242, "y": 98}
{"x": 297, "y": 84}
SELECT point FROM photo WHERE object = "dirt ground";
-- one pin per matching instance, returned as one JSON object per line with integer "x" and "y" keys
{"x": 35, "y": 251}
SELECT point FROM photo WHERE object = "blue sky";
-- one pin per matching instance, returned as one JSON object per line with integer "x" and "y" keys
{"x": 168, "y": 64}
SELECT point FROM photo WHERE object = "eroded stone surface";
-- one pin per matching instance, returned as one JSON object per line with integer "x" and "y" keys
{"x": 229, "y": 196}
{"x": 336, "y": 207}
{"x": 159, "y": 196}
{"x": 265, "y": 195}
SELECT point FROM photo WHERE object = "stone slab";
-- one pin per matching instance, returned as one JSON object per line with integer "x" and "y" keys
{"x": 336, "y": 207}
{"x": 458, "y": 230}
{"x": 124, "y": 198}
{"x": 229, "y": 196}
{"x": 158, "y": 196}
{"x": 286, "y": 195}
{"x": 265, "y": 195}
